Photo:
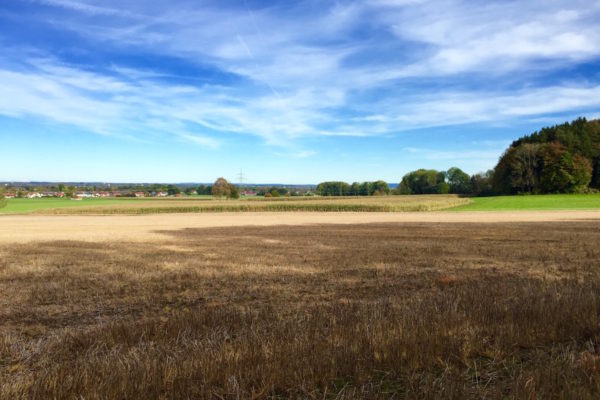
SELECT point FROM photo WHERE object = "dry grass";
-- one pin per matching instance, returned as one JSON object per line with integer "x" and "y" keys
{"x": 313, "y": 204}
{"x": 330, "y": 311}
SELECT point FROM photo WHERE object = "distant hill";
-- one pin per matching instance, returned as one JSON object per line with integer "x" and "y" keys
{"x": 559, "y": 159}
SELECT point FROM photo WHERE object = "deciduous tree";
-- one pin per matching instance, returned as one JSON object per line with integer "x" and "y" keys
{"x": 423, "y": 181}
{"x": 481, "y": 183}
{"x": 380, "y": 187}
{"x": 221, "y": 188}
{"x": 333, "y": 189}
{"x": 458, "y": 181}
{"x": 562, "y": 171}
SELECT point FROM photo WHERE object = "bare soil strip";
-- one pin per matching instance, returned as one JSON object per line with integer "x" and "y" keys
{"x": 27, "y": 228}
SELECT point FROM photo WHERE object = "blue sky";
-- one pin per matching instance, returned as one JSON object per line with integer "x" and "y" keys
{"x": 290, "y": 92}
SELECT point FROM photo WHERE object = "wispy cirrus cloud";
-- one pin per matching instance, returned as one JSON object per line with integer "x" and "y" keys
{"x": 80, "y": 6}
{"x": 360, "y": 69}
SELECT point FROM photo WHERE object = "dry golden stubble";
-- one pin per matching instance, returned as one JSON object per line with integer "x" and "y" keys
{"x": 334, "y": 311}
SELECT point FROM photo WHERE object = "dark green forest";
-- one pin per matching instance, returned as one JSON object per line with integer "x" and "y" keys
{"x": 560, "y": 159}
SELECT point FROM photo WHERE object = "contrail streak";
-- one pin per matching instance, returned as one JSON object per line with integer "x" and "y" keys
{"x": 249, "y": 50}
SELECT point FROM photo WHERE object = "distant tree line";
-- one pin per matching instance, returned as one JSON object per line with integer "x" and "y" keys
{"x": 204, "y": 190}
{"x": 455, "y": 181}
{"x": 560, "y": 159}
{"x": 421, "y": 181}
{"x": 336, "y": 188}
{"x": 273, "y": 191}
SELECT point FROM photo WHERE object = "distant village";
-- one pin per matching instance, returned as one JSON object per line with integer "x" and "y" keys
{"x": 83, "y": 191}
{"x": 81, "y": 195}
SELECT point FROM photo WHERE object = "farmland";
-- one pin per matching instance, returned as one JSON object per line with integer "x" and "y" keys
{"x": 533, "y": 202}
{"x": 191, "y": 298}
{"x": 207, "y": 204}
{"x": 378, "y": 310}
{"x": 23, "y": 206}
{"x": 309, "y": 200}
{"x": 134, "y": 206}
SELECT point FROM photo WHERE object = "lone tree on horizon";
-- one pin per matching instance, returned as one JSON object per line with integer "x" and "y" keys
{"x": 222, "y": 188}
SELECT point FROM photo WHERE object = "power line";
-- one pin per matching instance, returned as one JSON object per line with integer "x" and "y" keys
{"x": 241, "y": 177}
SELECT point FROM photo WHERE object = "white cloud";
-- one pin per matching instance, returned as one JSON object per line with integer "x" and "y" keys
{"x": 136, "y": 107}
{"x": 297, "y": 154}
{"x": 496, "y": 37}
{"x": 305, "y": 73}
{"x": 89, "y": 9}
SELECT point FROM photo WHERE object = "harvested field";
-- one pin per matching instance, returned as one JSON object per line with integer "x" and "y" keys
{"x": 404, "y": 310}
{"x": 142, "y": 228}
